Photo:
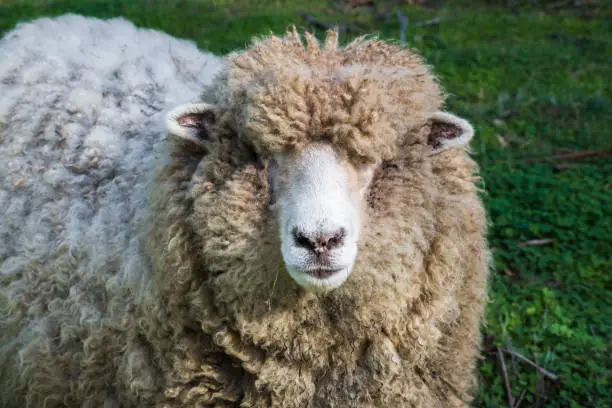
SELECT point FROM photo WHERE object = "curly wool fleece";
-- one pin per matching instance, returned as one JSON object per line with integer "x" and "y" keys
{"x": 199, "y": 312}
{"x": 82, "y": 109}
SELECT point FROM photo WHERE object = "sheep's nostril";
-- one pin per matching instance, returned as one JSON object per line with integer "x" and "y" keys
{"x": 302, "y": 241}
{"x": 319, "y": 243}
{"x": 335, "y": 239}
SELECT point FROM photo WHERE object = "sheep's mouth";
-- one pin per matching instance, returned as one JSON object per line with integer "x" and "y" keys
{"x": 319, "y": 279}
{"x": 321, "y": 273}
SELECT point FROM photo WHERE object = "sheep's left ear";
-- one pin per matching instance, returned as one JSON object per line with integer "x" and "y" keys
{"x": 448, "y": 131}
{"x": 193, "y": 122}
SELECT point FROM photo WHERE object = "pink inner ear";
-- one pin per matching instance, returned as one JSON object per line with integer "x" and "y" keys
{"x": 190, "y": 120}
{"x": 440, "y": 131}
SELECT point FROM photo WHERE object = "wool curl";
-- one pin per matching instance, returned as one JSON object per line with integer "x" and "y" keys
{"x": 184, "y": 301}
{"x": 362, "y": 98}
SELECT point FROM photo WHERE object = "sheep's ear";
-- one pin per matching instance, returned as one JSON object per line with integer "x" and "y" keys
{"x": 192, "y": 122}
{"x": 448, "y": 131}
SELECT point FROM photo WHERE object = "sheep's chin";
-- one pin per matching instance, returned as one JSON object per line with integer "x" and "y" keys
{"x": 319, "y": 285}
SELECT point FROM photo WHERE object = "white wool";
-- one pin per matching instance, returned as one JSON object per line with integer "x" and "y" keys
{"x": 82, "y": 109}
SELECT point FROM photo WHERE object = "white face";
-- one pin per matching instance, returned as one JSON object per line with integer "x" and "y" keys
{"x": 319, "y": 200}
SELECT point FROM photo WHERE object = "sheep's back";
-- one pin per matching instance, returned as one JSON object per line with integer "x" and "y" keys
{"x": 81, "y": 118}
{"x": 81, "y": 124}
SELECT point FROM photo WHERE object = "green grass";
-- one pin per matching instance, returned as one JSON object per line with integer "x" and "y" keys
{"x": 535, "y": 83}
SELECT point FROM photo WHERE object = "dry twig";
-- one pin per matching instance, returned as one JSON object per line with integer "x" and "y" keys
{"x": 572, "y": 3}
{"x": 543, "y": 371}
{"x": 536, "y": 242}
{"x": 574, "y": 155}
{"x": 518, "y": 403}
{"x": 432, "y": 21}
{"x": 502, "y": 363}
{"x": 403, "y": 21}
{"x": 559, "y": 4}
{"x": 361, "y": 3}
{"x": 566, "y": 166}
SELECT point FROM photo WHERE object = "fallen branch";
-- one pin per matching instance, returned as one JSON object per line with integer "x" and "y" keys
{"x": 572, "y": 3}
{"x": 361, "y": 3}
{"x": 434, "y": 20}
{"x": 559, "y": 4}
{"x": 502, "y": 364}
{"x": 518, "y": 403}
{"x": 543, "y": 371}
{"x": 569, "y": 156}
{"x": 536, "y": 242}
{"x": 566, "y": 166}
{"x": 403, "y": 21}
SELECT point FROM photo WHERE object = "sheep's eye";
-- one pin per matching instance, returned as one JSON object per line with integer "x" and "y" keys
{"x": 272, "y": 167}
{"x": 254, "y": 157}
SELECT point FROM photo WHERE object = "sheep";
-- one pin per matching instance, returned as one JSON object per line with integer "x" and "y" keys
{"x": 307, "y": 232}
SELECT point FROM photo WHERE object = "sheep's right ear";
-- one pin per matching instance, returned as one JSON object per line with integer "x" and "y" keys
{"x": 192, "y": 122}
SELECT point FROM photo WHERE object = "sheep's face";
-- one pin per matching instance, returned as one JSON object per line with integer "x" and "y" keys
{"x": 318, "y": 199}
{"x": 317, "y": 196}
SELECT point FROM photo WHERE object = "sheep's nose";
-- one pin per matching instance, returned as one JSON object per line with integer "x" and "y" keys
{"x": 319, "y": 243}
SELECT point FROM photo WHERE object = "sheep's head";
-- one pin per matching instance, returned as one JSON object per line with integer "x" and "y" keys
{"x": 313, "y": 126}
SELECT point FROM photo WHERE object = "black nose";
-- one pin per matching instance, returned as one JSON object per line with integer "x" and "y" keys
{"x": 319, "y": 243}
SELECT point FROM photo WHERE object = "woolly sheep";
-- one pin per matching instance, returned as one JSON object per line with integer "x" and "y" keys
{"x": 313, "y": 235}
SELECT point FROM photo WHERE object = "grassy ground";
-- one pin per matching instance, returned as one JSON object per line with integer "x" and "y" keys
{"x": 535, "y": 80}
